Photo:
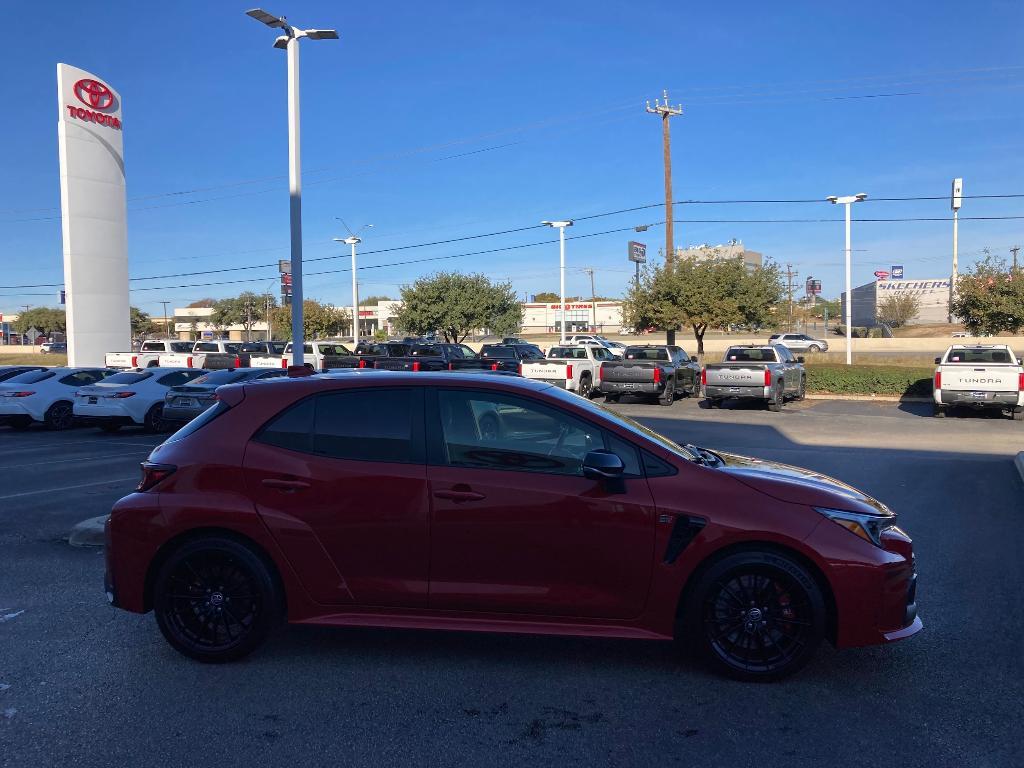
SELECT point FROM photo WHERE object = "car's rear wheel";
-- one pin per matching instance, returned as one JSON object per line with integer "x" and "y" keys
{"x": 938, "y": 412}
{"x": 585, "y": 386}
{"x": 216, "y": 600}
{"x": 154, "y": 419}
{"x": 609, "y": 398}
{"x": 669, "y": 395}
{"x": 755, "y": 615}
{"x": 1017, "y": 414}
{"x": 778, "y": 398}
{"x": 802, "y": 393}
{"x": 59, "y": 416}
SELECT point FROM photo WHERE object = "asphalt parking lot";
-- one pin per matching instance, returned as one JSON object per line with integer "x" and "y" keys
{"x": 83, "y": 684}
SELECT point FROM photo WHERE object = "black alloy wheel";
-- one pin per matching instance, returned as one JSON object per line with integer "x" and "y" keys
{"x": 669, "y": 395}
{"x": 778, "y": 398}
{"x": 802, "y": 393}
{"x": 757, "y": 616}
{"x": 1017, "y": 414}
{"x": 585, "y": 386}
{"x": 938, "y": 411}
{"x": 154, "y": 419}
{"x": 59, "y": 416}
{"x": 216, "y": 600}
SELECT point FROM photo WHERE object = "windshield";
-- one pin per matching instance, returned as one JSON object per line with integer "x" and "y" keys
{"x": 633, "y": 426}
{"x": 968, "y": 355}
{"x": 181, "y": 346}
{"x": 29, "y": 377}
{"x": 501, "y": 352}
{"x": 126, "y": 378}
{"x": 575, "y": 353}
{"x": 741, "y": 355}
{"x": 640, "y": 353}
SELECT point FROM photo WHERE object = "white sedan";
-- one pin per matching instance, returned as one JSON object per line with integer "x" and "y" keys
{"x": 45, "y": 395}
{"x": 131, "y": 397}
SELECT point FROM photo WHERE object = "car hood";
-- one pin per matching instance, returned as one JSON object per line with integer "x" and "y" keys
{"x": 797, "y": 485}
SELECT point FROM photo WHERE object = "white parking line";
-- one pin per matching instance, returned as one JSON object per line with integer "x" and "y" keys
{"x": 67, "y": 488}
{"x": 48, "y": 462}
{"x": 58, "y": 445}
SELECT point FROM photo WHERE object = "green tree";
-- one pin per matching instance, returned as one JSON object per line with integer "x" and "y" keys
{"x": 457, "y": 304}
{"x": 990, "y": 298}
{"x": 140, "y": 321}
{"x": 703, "y": 294}
{"x": 546, "y": 297}
{"x": 44, "y": 319}
{"x": 246, "y": 310}
{"x": 203, "y": 303}
{"x": 319, "y": 321}
{"x": 898, "y": 310}
{"x": 373, "y": 301}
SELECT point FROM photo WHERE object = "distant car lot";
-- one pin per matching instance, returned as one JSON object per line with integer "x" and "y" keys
{"x": 942, "y": 698}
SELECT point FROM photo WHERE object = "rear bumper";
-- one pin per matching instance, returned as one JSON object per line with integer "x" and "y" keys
{"x": 969, "y": 399}
{"x": 719, "y": 391}
{"x": 102, "y": 413}
{"x": 14, "y": 410}
{"x": 177, "y": 413}
{"x": 632, "y": 387}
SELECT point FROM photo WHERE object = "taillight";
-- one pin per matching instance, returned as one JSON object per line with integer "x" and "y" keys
{"x": 704, "y": 376}
{"x": 122, "y": 395}
{"x": 415, "y": 365}
{"x": 238, "y": 362}
{"x": 451, "y": 366}
{"x": 362, "y": 363}
{"x": 519, "y": 368}
{"x": 494, "y": 366}
{"x": 1020, "y": 382}
{"x": 188, "y": 363}
{"x": 153, "y": 474}
{"x": 657, "y": 375}
{"x": 767, "y": 377}
{"x": 135, "y": 361}
{"x": 600, "y": 372}
{"x": 284, "y": 362}
{"x": 18, "y": 394}
{"x": 568, "y": 371}
{"x": 938, "y": 379}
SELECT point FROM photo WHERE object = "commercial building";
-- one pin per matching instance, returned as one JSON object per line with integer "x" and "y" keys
{"x": 933, "y": 296}
{"x": 734, "y": 249}
{"x": 196, "y": 323}
{"x": 595, "y": 317}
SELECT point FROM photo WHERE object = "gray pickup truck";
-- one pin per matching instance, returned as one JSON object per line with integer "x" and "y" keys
{"x": 756, "y": 372}
{"x": 664, "y": 372}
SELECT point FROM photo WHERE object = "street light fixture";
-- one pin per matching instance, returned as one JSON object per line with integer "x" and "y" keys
{"x": 560, "y": 226}
{"x": 848, "y": 200}
{"x": 289, "y": 41}
{"x": 353, "y": 240}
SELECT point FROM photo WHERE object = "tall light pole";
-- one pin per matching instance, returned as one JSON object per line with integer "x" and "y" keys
{"x": 167, "y": 328}
{"x": 560, "y": 226}
{"x": 353, "y": 239}
{"x": 955, "y": 199}
{"x": 289, "y": 41}
{"x": 848, "y": 200}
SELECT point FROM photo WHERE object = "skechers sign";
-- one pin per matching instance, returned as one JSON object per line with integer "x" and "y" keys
{"x": 100, "y": 100}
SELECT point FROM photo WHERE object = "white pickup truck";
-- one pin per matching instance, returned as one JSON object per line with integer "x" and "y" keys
{"x": 575, "y": 368}
{"x": 212, "y": 355}
{"x": 979, "y": 376}
{"x": 148, "y": 355}
{"x": 314, "y": 353}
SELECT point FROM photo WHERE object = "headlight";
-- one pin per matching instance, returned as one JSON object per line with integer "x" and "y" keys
{"x": 868, "y": 527}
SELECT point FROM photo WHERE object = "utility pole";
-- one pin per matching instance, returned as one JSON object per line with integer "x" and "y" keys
{"x": 1014, "y": 252}
{"x": 593, "y": 297}
{"x": 955, "y": 201}
{"x": 167, "y": 327}
{"x": 790, "y": 274}
{"x": 267, "y": 310}
{"x": 666, "y": 113}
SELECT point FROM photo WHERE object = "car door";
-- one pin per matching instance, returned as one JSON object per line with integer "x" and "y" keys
{"x": 686, "y": 374}
{"x": 515, "y": 527}
{"x": 789, "y": 367}
{"x": 340, "y": 480}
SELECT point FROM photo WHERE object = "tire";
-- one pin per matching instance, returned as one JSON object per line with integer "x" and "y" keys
{"x": 585, "y": 387}
{"x": 610, "y": 398}
{"x": 814, "y": 348}
{"x": 1017, "y": 414}
{"x": 938, "y": 412}
{"x": 193, "y": 594}
{"x": 755, "y": 615}
{"x": 669, "y": 395}
{"x": 778, "y": 398}
{"x": 110, "y": 428}
{"x": 59, "y": 416}
{"x": 802, "y": 393}
{"x": 154, "y": 420}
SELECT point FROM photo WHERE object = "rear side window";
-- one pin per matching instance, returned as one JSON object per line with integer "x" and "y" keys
{"x": 292, "y": 428}
{"x": 30, "y": 377}
{"x": 200, "y": 421}
{"x": 368, "y": 425}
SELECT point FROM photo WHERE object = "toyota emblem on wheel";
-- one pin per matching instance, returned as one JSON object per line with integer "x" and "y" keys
{"x": 94, "y": 94}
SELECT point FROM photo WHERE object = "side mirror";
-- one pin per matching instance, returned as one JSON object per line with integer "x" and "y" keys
{"x": 799, "y": 359}
{"x": 938, "y": 361}
{"x": 602, "y": 465}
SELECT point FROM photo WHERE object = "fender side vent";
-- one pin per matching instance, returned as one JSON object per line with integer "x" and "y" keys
{"x": 684, "y": 530}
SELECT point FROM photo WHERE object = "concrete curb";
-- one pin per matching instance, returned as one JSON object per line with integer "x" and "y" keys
{"x": 88, "y": 533}
{"x": 1018, "y": 462}
{"x": 870, "y": 398}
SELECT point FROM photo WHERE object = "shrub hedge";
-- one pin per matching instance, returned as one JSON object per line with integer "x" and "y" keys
{"x": 869, "y": 380}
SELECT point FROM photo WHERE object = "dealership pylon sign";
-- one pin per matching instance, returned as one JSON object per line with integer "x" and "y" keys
{"x": 93, "y": 215}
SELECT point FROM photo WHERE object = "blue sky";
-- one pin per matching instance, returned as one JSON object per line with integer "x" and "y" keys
{"x": 442, "y": 120}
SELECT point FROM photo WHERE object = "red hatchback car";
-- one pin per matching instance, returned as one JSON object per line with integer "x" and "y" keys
{"x": 484, "y": 502}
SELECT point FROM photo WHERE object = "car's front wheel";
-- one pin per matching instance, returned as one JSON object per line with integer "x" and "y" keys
{"x": 756, "y": 615}
{"x": 814, "y": 348}
{"x": 216, "y": 600}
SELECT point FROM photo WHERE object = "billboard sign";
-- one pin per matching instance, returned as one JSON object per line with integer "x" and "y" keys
{"x": 813, "y": 287}
{"x": 881, "y": 274}
{"x": 93, "y": 215}
{"x": 638, "y": 252}
{"x": 897, "y": 272}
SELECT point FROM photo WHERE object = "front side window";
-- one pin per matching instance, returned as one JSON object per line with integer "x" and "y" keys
{"x": 600, "y": 353}
{"x": 487, "y": 430}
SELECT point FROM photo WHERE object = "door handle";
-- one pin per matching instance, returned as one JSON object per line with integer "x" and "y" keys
{"x": 459, "y": 495}
{"x": 285, "y": 485}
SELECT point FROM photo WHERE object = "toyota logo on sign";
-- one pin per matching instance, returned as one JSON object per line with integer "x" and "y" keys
{"x": 94, "y": 94}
